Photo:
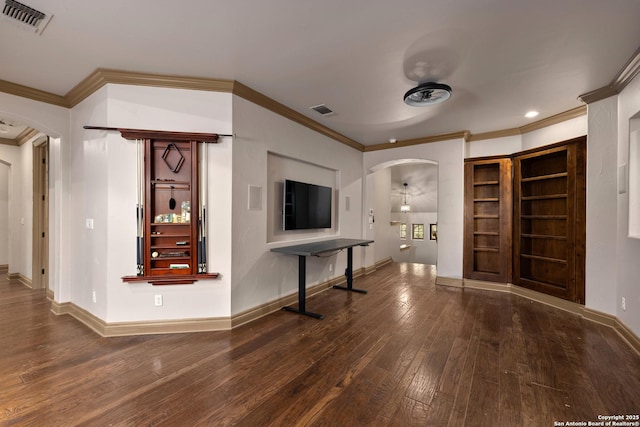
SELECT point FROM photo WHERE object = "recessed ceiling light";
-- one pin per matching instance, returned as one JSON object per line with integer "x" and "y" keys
{"x": 531, "y": 114}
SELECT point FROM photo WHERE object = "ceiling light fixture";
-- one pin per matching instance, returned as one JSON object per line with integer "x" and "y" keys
{"x": 392, "y": 140}
{"x": 404, "y": 207}
{"x": 531, "y": 114}
{"x": 427, "y": 94}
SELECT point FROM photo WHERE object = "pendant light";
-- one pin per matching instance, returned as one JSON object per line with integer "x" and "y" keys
{"x": 404, "y": 207}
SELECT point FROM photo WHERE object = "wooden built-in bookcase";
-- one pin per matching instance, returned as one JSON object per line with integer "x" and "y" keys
{"x": 549, "y": 226}
{"x": 525, "y": 219}
{"x": 487, "y": 232}
{"x": 173, "y": 232}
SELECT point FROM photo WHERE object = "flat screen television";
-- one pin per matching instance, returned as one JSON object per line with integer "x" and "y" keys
{"x": 306, "y": 206}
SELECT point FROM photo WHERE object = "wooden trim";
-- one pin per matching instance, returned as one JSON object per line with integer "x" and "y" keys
{"x": 553, "y": 120}
{"x": 50, "y": 294}
{"x": 34, "y": 94}
{"x": 449, "y": 281}
{"x": 11, "y": 142}
{"x": 26, "y": 135}
{"x": 578, "y": 309}
{"x": 104, "y": 329}
{"x": 103, "y": 76}
{"x": 381, "y": 263}
{"x": 274, "y": 106}
{"x": 139, "y": 328}
{"x": 617, "y": 85}
{"x": 417, "y": 141}
{"x": 494, "y": 134}
{"x": 4, "y": 268}
{"x": 21, "y": 278}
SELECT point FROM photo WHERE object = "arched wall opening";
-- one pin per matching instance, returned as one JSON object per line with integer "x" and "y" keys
{"x": 405, "y": 236}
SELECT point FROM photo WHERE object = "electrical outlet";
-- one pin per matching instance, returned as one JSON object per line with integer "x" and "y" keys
{"x": 158, "y": 300}
{"x": 89, "y": 224}
{"x": 94, "y": 297}
{"x": 624, "y": 304}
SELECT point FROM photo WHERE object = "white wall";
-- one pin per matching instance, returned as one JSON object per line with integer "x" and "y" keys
{"x": 103, "y": 188}
{"x": 25, "y": 253}
{"x": 601, "y": 276}
{"x": 4, "y": 213}
{"x": 53, "y": 121}
{"x": 628, "y": 248}
{"x": 494, "y": 147}
{"x": 383, "y": 233}
{"x": 450, "y": 158}
{"x": 556, "y": 133}
{"x": 260, "y": 276}
{"x": 421, "y": 251}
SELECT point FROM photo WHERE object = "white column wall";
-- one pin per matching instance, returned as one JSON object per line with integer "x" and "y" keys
{"x": 104, "y": 189}
{"x": 260, "y": 276}
{"x": 628, "y": 250}
{"x": 4, "y": 212}
{"x": 601, "y": 275}
{"x": 450, "y": 158}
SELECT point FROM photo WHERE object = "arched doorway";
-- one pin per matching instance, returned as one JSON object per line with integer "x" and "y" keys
{"x": 408, "y": 236}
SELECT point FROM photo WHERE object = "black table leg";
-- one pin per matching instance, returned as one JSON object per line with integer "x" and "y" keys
{"x": 349, "y": 275}
{"x": 302, "y": 291}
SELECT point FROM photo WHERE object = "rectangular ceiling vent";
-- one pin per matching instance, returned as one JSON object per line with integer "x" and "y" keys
{"x": 323, "y": 110}
{"x": 25, "y": 17}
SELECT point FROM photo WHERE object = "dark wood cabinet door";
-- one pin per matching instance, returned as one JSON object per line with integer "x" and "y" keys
{"x": 488, "y": 219}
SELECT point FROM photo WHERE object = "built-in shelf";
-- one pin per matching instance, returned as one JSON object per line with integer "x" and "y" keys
{"x": 544, "y": 177}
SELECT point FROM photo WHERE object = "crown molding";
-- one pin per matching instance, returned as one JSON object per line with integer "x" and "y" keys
{"x": 270, "y": 104}
{"x": 5, "y": 141}
{"x": 617, "y": 85}
{"x": 26, "y": 135}
{"x": 555, "y": 119}
{"x": 417, "y": 141}
{"x": 31, "y": 93}
{"x": 494, "y": 134}
{"x": 103, "y": 76}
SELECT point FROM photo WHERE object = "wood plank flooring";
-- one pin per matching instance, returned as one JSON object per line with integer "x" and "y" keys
{"x": 406, "y": 354}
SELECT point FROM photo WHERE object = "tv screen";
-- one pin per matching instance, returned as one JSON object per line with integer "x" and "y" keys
{"x": 306, "y": 206}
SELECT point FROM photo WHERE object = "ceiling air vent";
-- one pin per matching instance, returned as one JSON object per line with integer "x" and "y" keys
{"x": 323, "y": 110}
{"x": 25, "y": 17}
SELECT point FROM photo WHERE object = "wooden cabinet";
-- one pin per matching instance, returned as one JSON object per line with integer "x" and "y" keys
{"x": 172, "y": 218}
{"x": 171, "y": 190}
{"x": 525, "y": 219}
{"x": 549, "y": 226}
{"x": 488, "y": 208}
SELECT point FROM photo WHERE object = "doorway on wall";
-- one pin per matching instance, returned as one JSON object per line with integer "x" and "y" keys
{"x": 40, "y": 264}
{"x": 406, "y": 234}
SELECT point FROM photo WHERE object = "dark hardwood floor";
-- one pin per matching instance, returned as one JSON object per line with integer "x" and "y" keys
{"x": 406, "y": 354}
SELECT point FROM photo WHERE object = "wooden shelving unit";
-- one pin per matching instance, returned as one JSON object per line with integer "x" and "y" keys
{"x": 487, "y": 234}
{"x": 549, "y": 219}
{"x": 170, "y": 220}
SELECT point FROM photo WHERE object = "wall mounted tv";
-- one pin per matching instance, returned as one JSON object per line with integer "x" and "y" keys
{"x": 306, "y": 206}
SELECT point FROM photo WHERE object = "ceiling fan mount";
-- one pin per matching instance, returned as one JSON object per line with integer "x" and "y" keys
{"x": 429, "y": 93}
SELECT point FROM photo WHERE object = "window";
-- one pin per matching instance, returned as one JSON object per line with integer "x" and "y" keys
{"x": 403, "y": 231}
{"x": 417, "y": 231}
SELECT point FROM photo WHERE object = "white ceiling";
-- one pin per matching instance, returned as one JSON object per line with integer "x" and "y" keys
{"x": 501, "y": 57}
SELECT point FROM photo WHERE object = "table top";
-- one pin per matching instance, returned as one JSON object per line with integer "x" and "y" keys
{"x": 316, "y": 248}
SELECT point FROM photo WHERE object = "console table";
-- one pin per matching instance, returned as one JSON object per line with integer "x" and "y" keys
{"x": 315, "y": 249}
